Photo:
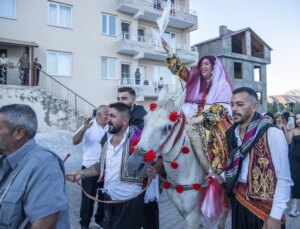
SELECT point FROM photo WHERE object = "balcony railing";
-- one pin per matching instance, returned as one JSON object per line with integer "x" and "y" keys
{"x": 143, "y": 47}
{"x": 160, "y": 5}
{"x": 149, "y": 10}
{"x": 148, "y": 88}
{"x": 155, "y": 42}
{"x": 57, "y": 89}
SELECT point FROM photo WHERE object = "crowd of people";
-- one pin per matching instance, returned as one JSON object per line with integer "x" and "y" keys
{"x": 255, "y": 158}
{"x": 24, "y": 68}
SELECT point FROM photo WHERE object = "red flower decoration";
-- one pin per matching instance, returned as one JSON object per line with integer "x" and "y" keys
{"x": 134, "y": 142}
{"x": 166, "y": 185}
{"x": 185, "y": 149}
{"x": 152, "y": 106}
{"x": 131, "y": 150}
{"x": 173, "y": 116}
{"x": 149, "y": 156}
{"x": 197, "y": 186}
{"x": 174, "y": 165}
{"x": 179, "y": 188}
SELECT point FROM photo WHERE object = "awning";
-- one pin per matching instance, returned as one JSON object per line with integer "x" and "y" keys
{"x": 17, "y": 42}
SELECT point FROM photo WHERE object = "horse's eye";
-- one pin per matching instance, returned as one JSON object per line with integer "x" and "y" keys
{"x": 167, "y": 128}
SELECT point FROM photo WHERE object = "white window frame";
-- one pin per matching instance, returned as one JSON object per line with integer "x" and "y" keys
{"x": 57, "y": 71}
{"x": 107, "y": 24}
{"x": 14, "y": 6}
{"x": 58, "y": 19}
{"x": 108, "y": 77}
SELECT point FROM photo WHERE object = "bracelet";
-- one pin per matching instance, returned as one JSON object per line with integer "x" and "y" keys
{"x": 81, "y": 174}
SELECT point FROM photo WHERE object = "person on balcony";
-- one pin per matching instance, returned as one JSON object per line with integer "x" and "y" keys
{"x": 37, "y": 67}
{"x": 160, "y": 84}
{"x": 3, "y": 68}
{"x": 23, "y": 64}
{"x": 137, "y": 75}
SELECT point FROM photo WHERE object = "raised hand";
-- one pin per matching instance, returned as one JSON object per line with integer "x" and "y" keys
{"x": 87, "y": 122}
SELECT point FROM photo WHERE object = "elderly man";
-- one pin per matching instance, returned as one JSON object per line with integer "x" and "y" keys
{"x": 258, "y": 173}
{"x": 118, "y": 185}
{"x": 91, "y": 132}
{"x": 32, "y": 182}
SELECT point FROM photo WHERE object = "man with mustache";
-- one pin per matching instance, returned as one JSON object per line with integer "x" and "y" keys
{"x": 118, "y": 185}
{"x": 257, "y": 173}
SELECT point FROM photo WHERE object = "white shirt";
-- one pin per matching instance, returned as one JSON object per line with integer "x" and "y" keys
{"x": 91, "y": 143}
{"x": 279, "y": 153}
{"x": 3, "y": 60}
{"x": 113, "y": 186}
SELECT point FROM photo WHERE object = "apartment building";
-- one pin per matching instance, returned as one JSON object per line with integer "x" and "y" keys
{"x": 95, "y": 46}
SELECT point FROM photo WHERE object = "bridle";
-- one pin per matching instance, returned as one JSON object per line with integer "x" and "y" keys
{"x": 180, "y": 120}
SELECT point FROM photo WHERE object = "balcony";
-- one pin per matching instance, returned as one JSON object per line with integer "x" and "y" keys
{"x": 148, "y": 88}
{"x": 150, "y": 10}
{"x": 150, "y": 49}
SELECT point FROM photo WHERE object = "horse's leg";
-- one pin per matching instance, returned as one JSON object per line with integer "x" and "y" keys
{"x": 194, "y": 219}
{"x": 221, "y": 224}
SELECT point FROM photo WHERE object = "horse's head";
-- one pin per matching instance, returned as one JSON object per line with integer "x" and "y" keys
{"x": 161, "y": 127}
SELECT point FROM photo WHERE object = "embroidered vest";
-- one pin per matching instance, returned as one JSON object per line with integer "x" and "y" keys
{"x": 125, "y": 154}
{"x": 257, "y": 196}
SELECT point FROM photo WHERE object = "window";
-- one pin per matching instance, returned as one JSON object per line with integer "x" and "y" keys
{"x": 143, "y": 73}
{"x": 59, "y": 63}
{"x": 257, "y": 47}
{"x": 109, "y": 24}
{"x": 171, "y": 39}
{"x": 8, "y": 8}
{"x": 141, "y": 34}
{"x": 257, "y": 73}
{"x": 259, "y": 97}
{"x": 109, "y": 66}
{"x": 125, "y": 27}
{"x": 238, "y": 43}
{"x": 125, "y": 71}
{"x": 238, "y": 73}
{"x": 60, "y": 15}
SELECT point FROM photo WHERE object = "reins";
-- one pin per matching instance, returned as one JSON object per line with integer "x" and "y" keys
{"x": 114, "y": 201}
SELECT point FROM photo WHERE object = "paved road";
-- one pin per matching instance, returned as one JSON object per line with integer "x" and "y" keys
{"x": 60, "y": 142}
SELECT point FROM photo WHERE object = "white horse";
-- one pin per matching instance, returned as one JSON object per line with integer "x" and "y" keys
{"x": 167, "y": 138}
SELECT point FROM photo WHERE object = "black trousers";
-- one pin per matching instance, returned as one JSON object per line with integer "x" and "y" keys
{"x": 151, "y": 215}
{"x": 243, "y": 218}
{"x": 127, "y": 215}
{"x": 90, "y": 185}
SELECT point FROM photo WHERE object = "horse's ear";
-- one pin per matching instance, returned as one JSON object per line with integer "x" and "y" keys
{"x": 179, "y": 101}
{"x": 162, "y": 97}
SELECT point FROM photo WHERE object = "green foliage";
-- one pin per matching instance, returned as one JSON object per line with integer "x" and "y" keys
{"x": 279, "y": 107}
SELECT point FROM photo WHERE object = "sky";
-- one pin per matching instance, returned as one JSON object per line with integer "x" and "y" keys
{"x": 277, "y": 22}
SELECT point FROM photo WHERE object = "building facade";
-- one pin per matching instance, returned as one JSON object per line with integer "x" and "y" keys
{"x": 93, "y": 47}
{"x": 245, "y": 56}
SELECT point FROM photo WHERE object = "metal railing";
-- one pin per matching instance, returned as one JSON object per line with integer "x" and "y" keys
{"x": 149, "y": 86}
{"x": 55, "y": 88}
{"x": 160, "y": 5}
{"x": 155, "y": 42}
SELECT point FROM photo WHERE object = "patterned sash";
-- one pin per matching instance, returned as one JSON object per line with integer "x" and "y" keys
{"x": 256, "y": 128}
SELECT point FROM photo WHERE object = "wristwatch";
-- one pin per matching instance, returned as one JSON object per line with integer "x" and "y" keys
{"x": 81, "y": 174}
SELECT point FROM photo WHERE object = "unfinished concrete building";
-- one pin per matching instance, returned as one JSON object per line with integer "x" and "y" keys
{"x": 245, "y": 56}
